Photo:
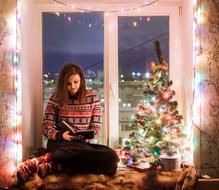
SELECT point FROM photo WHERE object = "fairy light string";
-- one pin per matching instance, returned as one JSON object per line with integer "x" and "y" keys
{"x": 17, "y": 87}
{"x": 102, "y": 11}
{"x": 89, "y": 9}
{"x": 198, "y": 74}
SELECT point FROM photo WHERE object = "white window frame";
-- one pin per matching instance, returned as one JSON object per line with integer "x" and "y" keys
{"x": 111, "y": 61}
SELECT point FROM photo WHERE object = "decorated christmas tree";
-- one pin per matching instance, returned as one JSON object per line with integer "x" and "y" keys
{"x": 157, "y": 126}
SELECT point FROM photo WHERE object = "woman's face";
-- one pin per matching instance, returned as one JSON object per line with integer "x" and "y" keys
{"x": 73, "y": 83}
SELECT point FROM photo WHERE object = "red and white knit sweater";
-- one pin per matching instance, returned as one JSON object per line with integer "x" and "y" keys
{"x": 79, "y": 116}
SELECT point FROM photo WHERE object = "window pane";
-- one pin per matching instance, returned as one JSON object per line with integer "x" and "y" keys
{"x": 77, "y": 38}
{"x": 136, "y": 50}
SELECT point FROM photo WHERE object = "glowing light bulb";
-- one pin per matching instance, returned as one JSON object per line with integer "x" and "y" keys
{"x": 158, "y": 121}
{"x": 153, "y": 98}
{"x": 194, "y": 3}
{"x": 153, "y": 109}
{"x": 166, "y": 95}
{"x": 18, "y": 152}
{"x": 198, "y": 79}
{"x": 165, "y": 130}
{"x": 12, "y": 23}
{"x": 15, "y": 84}
{"x": 15, "y": 71}
{"x": 200, "y": 19}
{"x": 169, "y": 117}
{"x": 18, "y": 5}
{"x": 147, "y": 75}
{"x": 18, "y": 137}
{"x": 15, "y": 59}
{"x": 197, "y": 43}
{"x": 174, "y": 131}
{"x": 146, "y": 2}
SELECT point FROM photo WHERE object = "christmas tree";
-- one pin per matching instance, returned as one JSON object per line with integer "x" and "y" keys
{"x": 157, "y": 126}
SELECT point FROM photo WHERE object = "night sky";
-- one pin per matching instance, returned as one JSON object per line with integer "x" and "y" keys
{"x": 78, "y": 37}
{"x": 79, "y": 41}
{"x": 136, "y": 41}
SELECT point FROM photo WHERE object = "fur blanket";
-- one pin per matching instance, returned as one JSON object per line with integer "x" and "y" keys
{"x": 124, "y": 179}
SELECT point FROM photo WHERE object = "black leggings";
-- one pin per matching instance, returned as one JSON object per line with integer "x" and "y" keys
{"x": 81, "y": 157}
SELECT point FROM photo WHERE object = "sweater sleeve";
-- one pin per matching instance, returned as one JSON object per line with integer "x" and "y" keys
{"x": 49, "y": 120}
{"x": 96, "y": 118}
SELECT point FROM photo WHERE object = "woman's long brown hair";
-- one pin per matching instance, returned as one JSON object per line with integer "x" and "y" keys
{"x": 61, "y": 91}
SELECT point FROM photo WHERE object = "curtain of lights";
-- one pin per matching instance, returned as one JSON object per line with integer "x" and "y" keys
{"x": 10, "y": 90}
{"x": 206, "y": 86}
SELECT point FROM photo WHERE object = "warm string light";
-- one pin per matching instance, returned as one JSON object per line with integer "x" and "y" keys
{"x": 134, "y": 24}
{"x": 14, "y": 144}
{"x": 194, "y": 57}
{"x": 196, "y": 45}
{"x": 89, "y": 9}
{"x": 198, "y": 76}
{"x": 17, "y": 150}
{"x": 166, "y": 95}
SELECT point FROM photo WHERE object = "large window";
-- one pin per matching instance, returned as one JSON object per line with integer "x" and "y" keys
{"x": 76, "y": 38}
{"x": 136, "y": 37}
{"x": 115, "y": 51}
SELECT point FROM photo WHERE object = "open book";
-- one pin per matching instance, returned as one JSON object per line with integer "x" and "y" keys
{"x": 87, "y": 134}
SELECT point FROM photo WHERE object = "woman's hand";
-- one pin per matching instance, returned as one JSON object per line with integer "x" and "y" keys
{"x": 66, "y": 136}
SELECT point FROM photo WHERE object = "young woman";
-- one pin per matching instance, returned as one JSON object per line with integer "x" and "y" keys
{"x": 80, "y": 109}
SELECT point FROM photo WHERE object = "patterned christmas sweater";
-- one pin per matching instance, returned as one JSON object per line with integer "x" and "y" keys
{"x": 80, "y": 116}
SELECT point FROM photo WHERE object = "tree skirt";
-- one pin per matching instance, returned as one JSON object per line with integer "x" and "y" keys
{"x": 124, "y": 179}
